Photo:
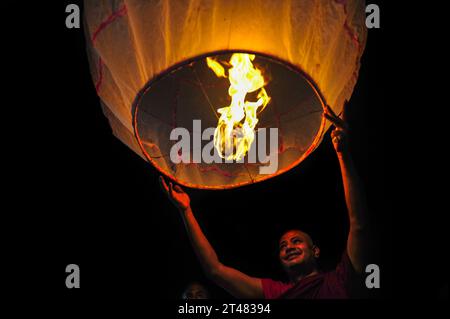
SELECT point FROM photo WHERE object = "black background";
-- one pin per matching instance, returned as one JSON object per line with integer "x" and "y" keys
{"x": 85, "y": 198}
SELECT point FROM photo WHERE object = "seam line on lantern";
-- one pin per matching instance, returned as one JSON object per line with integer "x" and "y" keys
{"x": 110, "y": 19}
{"x": 204, "y": 92}
{"x": 248, "y": 172}
{"x": 349, "y": 31}
{"x": 100, "y": 74}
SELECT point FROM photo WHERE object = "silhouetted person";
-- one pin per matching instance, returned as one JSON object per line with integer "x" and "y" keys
{"x": 195, "y": 290}
{"x": 297, "y": 251}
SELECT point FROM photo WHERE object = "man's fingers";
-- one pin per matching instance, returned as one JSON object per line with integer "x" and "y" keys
{"x": 328, "y": 110}
{"x": 178, "y": 189}
{"x": 336, "y": 121}
{"x": 163, "y": 184}
{"x": 171, "y": 189}
{"x": 337, "y": 132}
{"x": 333, "y": 118}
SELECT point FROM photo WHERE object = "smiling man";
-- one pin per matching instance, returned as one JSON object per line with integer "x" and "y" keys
{"x": 298, "y": 256}
{"x": 297, "y": 252}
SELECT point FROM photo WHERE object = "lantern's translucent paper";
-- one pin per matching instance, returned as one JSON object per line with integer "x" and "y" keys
{"x": 148, "y": 65}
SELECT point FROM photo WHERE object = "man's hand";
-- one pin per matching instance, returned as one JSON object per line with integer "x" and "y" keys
{"x": 235, "y": 282}
{"x": 339, "y": 134}
{"x": 339, "y": 139}
{"x": 176, "y": 194}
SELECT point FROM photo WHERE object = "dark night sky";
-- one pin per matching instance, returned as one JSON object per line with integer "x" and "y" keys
{"x": 103, "y": 201}
{"x": 121, "y": 225}
{"x": 99, "y": 205}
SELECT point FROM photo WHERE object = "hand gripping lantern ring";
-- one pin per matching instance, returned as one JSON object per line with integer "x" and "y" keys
{"x": 153, "y": 66}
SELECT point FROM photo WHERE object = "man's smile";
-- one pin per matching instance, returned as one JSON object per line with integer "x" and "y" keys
{"x": 293, "y": 255}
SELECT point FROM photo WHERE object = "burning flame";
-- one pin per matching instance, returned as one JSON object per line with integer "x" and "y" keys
{"x": 232, "y": 137}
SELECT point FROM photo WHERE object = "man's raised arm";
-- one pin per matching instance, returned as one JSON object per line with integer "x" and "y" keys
{"x": 355, "y": 197}
{"x": 235, "y": 282}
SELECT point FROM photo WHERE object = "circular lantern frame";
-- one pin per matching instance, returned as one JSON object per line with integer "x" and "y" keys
{"x": 293, "y": 68}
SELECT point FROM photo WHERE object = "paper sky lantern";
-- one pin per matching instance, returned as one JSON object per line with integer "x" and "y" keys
{"x": 235, "y": 66}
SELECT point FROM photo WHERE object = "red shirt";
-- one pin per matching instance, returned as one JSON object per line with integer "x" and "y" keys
{"x": 330, "y": 285}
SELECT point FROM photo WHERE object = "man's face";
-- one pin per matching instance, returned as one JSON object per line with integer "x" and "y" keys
{"x": 296, "y": 248}
{"x": 195, "y": 291}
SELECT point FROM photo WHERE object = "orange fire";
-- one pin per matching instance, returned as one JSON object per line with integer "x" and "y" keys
{"x": 235, "y": 133}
